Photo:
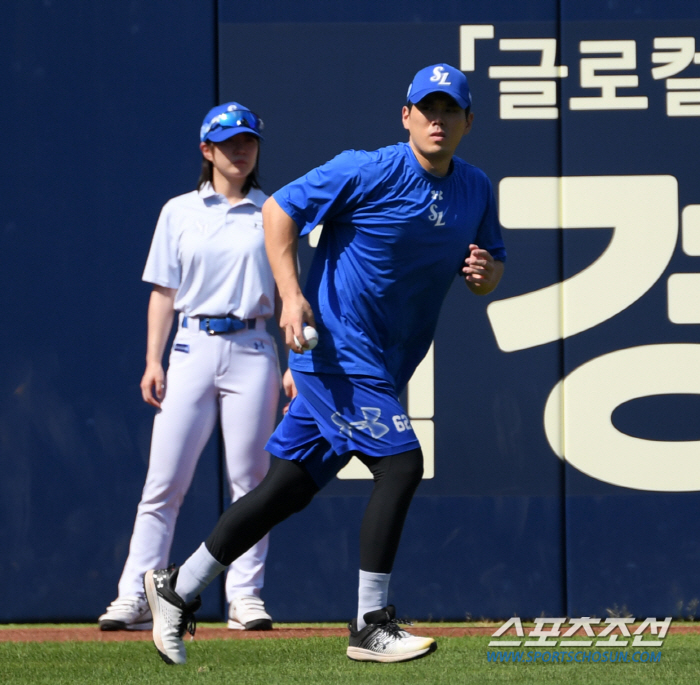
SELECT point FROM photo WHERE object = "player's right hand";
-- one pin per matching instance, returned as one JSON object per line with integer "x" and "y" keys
{"x": 153, "y": 380}
{"x": 295, "y": 313}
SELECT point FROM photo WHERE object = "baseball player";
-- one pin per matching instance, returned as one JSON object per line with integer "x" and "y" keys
{"x": 399, "y": 224}
{"x": 207, "y": 262}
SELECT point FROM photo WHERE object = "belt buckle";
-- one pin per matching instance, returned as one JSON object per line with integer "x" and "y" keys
{"x": 207, "y": 329}
{"x": 233, "y": 325}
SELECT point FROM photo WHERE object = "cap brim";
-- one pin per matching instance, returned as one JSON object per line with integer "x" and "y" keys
{"x": 221, "y": 134}
{"x": 419, "y": 95}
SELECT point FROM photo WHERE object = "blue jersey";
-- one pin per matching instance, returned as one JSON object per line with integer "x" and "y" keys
{"x": 394, "y": 237}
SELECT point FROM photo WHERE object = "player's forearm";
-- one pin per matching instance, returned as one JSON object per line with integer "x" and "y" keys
{"x": 281, "y": 244}
{"x": 161, "y": 312}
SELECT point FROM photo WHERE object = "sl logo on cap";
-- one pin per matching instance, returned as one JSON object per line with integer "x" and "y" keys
{"x": 440, "y": 75}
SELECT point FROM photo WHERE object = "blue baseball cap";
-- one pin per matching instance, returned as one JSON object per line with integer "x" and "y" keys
{"x": 440, "y": 78}
{"x": 227, "y": 120}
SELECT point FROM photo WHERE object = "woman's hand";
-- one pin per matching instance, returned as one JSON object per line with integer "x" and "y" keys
{"x": 290, "y": 388}
{"x": 153, "y": 384}
{"x": 161, "y": 313}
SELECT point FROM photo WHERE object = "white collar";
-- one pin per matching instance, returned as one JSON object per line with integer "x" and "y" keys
{"x": 255, "y": 196}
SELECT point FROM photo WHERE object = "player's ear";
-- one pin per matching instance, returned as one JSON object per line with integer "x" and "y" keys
{"x": 405, "y": 113}
{"x": 469, "y": 122}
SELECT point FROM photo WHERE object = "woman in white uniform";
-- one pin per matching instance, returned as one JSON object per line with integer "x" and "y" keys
{"x": 207, "y": 262}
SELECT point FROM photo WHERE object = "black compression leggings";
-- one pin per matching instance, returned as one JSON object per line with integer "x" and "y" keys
{"x": 289, "y": 488}
{"x": 286, "y": 489}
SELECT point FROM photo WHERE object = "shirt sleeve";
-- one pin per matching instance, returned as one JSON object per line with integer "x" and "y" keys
{"x": 163, "y": 265}
{"x": 324, "y": 192}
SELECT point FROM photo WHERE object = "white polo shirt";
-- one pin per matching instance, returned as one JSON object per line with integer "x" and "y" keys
{"x": 214, "y": 254}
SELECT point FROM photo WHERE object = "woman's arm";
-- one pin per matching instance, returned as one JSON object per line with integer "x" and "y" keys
{"x": 161, "y": 311}
{"x": 288, "y": 385}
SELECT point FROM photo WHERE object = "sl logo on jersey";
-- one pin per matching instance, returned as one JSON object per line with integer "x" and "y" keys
{"x": 440, "y": 76}
{"x": 370, "y": 424}
{"x": 436, "y": 216}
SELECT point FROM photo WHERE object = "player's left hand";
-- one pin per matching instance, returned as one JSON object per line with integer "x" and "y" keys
{"x": 481, "y": 272}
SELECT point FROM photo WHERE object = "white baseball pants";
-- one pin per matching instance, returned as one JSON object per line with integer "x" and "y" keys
{"x": 236, "y": 377}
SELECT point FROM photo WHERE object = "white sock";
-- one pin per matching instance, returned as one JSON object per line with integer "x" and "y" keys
{"x": 373, "y": 594}
{"x": 196, "y": 573}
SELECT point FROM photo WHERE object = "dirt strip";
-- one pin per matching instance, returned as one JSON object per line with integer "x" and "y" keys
{"x": 90, "y": 634}
{"x": 94, "y": 634}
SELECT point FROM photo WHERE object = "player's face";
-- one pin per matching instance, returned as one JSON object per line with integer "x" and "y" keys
{"x": 436, "y": 124}
{"x": 234, "y": 158}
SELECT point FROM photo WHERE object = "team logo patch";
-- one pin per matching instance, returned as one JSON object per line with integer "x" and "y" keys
{"x": 181, "y": 347}
{"x": 440, "y": 76}
{"x": 370, "y": 423}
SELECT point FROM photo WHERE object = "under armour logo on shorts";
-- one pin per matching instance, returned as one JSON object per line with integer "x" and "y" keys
{"x": 370, "y": 424}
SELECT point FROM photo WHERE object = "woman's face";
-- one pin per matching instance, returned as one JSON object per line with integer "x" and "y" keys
{"x": 234, "y": 158}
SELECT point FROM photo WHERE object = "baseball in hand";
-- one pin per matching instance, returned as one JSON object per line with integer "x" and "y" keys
{"x": 311, "y": 335}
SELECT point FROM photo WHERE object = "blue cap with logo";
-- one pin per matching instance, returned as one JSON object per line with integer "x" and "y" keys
{"x": 227, "y": 120}
{"x": 440, "y": 78}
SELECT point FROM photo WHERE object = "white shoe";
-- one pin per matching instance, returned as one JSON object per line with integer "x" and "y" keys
{"x": 171, "y": 616}
{"x": 382, "y": 639}
{"x": 127, "y": 613}
{"x": 248, "y": 613}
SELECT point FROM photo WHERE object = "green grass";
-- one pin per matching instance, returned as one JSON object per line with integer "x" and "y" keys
{"x": 322, "y": 661}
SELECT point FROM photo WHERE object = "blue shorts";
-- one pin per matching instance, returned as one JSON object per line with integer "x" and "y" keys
{"x": 334, "y": 416}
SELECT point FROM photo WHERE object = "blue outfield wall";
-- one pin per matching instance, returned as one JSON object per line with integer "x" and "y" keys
{"x": 558, "y": 415}
{"x": 101, "y": 108}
